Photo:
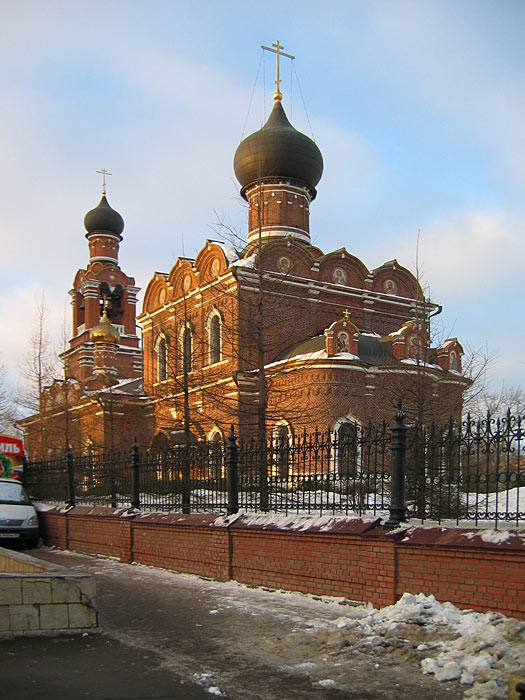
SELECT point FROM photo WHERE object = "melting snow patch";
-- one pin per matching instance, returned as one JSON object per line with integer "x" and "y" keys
{"x": 305, "y": 666}
{"x": 494, "y": 536}
{"x": 478, "y": 649}
{"x": 325, "y": 683}
{"x": 301, "y": 522}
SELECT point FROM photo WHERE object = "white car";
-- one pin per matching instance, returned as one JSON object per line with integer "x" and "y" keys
{"x": 18, "y": 518}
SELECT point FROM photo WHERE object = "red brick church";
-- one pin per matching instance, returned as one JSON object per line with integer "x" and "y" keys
{"x": 278, "y": 334}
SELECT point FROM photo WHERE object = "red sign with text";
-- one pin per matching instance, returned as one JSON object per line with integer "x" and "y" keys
{"x": 11, "y": 457}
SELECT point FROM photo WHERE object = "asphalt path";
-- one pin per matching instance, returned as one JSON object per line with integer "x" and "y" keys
{"x": 167, "y": 635}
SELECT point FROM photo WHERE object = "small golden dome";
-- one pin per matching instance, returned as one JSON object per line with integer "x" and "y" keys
{"x": 104, "y": 331}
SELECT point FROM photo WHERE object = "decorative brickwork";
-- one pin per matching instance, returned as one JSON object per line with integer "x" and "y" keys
{"x": 341, "y": 557}
{"x": 335, "y": 340}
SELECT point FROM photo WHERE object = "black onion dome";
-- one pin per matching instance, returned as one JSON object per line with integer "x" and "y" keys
{"x": 278, "y": 150}
{"x": 103, "y": 218}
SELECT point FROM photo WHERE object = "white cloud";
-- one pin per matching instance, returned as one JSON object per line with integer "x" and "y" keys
{"x": 472, "y": 263}
{"x": 469, "y": 253}
{"x": 464, "y": 61}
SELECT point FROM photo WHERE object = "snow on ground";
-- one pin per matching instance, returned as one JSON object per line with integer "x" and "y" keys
{"x": 509, "y": 501}
{"x": 476, "y": 650}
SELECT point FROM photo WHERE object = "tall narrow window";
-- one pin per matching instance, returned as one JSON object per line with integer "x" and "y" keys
{"x": 162, "y": 360}
{"x": 281, "y": 445}
{"x": 187, "y": 343}
{"x": 216, "y": 445}
{"x": 214, "y": 336}
{"x": 346, "y": 449}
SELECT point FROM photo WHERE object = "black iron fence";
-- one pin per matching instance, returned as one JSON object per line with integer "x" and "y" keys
{"x": 473, "y": 471}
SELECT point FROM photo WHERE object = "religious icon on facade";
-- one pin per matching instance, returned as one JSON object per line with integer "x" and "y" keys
{"x": 343, "y": 342}
{"x": 338, "y": 275}
{"x": 390, "y": 287}
{"x": 414, "y": 347}
{"x": 283, "y": 265}
{"x": 215, "y": 266}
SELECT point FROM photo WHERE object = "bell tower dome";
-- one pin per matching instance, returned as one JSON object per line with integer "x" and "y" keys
{"x": 278, "y": 169}
{"x": 104, "y": 227}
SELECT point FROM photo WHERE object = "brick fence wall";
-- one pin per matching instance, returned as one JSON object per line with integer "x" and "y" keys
{"x": 478, "y": 569}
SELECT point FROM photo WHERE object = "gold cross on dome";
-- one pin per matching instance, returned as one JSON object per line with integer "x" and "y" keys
{"x": 278, "y": 96}
{"x": 346, "y": 314}
{"x": 104, "y": 172}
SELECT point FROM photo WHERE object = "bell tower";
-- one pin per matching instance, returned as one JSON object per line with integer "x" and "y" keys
{"x": 103, "y": 289}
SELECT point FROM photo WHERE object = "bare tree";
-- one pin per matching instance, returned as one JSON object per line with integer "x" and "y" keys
{"x": 497, "y": 402}
{"x": 38, "y": 369}
{"x": 8, "y": 408}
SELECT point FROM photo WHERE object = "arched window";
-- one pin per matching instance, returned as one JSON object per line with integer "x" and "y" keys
{"x": 214, "y": 339}
{"x": 162, "y": 360}
{"x": 454, "y": 363}
{"x": 346, "y": 448}
{"x": 281, "y": 449}
{"x": 187, "y": 349}
{"x": 216, "y": 455}
{"x": 161, "y": 354}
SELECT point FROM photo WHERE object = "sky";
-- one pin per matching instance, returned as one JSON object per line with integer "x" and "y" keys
{"x": 417, "y": 107}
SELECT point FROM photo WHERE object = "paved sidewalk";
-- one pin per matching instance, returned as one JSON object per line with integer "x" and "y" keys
{"x": 167, "y": 635}
{"x": 94, "y": 666}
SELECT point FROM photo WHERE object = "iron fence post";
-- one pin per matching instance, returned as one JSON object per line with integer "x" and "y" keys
{"x": 24, "y": 470}
{"x": 135, "y": 475}
{"x": 397, "y": 485}
{"x": 70, "y": 483}
{"x": 231, "y": 461}
{"x": 186, "y": 479}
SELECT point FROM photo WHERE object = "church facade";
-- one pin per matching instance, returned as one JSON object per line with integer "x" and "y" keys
{"x": 278, "y": 336}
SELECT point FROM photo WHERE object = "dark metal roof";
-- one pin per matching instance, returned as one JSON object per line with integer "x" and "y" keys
{"x": 304, "y": 346}
{"x": 103, "y": 218}
{"x": 374, "y": 350}
{"x": 371, "y": 349}
{"x": 278, "y": 150}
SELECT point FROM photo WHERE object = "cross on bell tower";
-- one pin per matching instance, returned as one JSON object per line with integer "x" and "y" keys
{"x": 104, "y": 172}
{"x": 278, "y": 96}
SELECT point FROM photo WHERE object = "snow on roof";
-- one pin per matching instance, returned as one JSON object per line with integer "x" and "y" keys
{"x": 229, "y": 251}
{"x": 317, "y": 355}
{"x": 124, "y": 386}
{"x": 421, "y": 363}
{"x": 244, "y": 262}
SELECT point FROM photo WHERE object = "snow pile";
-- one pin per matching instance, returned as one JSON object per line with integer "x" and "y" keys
{"x": 204, "y": 679}
{"x": 478, "y": 649}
